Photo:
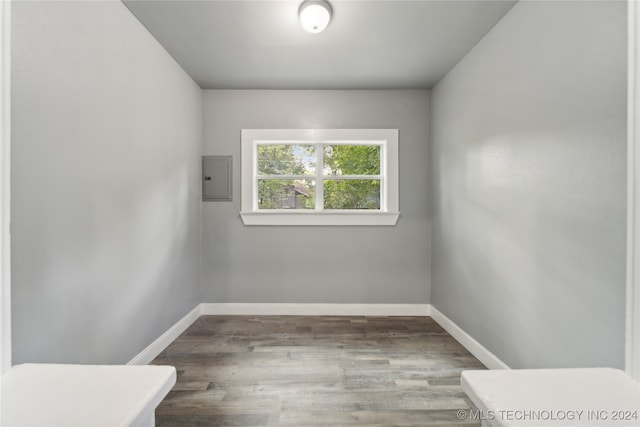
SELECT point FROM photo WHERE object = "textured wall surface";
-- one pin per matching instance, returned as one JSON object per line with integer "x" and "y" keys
{"x": 318, "y": 264}
{"x": 106, "y": 145}
{"x": 529, "y": 181}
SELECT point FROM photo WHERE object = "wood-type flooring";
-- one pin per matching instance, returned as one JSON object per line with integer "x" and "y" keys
{"x": 316, "y": 371}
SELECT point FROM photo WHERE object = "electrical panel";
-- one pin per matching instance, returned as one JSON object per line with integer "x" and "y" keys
{"x": 216, "y": 178}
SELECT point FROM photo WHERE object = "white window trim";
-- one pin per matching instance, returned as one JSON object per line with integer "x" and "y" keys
{"x": 389, "y": 209}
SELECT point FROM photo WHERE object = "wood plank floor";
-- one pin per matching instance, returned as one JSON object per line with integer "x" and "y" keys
{"x": 315, "y": 370}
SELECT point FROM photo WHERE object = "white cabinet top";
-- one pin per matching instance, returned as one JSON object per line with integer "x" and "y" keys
{"x": 82, "y": 395}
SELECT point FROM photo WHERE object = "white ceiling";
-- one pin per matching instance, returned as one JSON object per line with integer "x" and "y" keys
{"x": 369, "y": 44}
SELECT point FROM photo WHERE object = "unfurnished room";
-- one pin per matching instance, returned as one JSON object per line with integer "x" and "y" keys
{"x": 319, "y": 213}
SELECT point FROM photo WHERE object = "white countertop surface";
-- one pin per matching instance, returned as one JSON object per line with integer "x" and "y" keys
{"x": 554, "y": 397}
{"x": 82, "y": 395}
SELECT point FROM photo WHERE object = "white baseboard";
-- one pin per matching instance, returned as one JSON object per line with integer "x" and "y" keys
{"x": 489, "y": 359}
{"x": 156, "y": 347}
{"x": 282, "y": 309}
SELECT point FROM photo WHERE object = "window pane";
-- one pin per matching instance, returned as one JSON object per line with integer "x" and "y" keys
{"x": 352, "y": 160}
{"x": 286, "y": 159}
{"x": 286, "y": 194}
{"x": 352, "y": 194}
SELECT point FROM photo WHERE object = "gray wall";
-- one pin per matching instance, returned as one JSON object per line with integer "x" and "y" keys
{"x": 528, "y": 177}
{"x": 280, "y": 264}
{"x": 107, "y": 137}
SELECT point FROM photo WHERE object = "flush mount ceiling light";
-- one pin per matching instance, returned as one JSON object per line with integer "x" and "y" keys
{"x": 315, "y": 15}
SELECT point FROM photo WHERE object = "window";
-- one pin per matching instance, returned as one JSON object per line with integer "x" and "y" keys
{"x": 319, "y": 177}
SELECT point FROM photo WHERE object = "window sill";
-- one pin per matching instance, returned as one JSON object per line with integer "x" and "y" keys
{"x": 320, "y": 219}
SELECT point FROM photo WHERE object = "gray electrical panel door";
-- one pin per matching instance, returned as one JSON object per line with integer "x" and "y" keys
{"x": 216, "y": 178}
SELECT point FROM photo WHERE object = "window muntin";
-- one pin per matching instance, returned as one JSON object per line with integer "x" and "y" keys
{"x": 319, "y": 177}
